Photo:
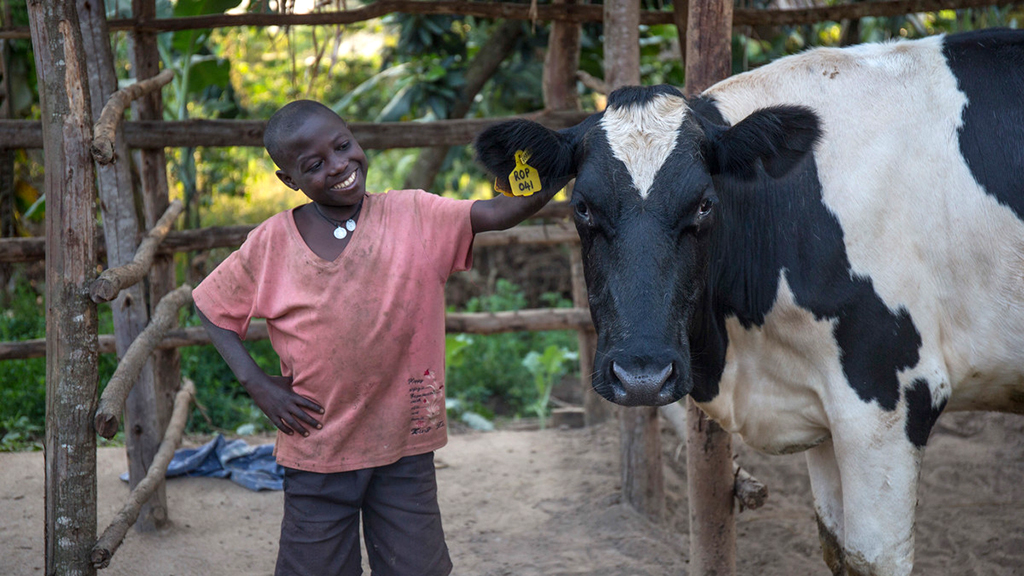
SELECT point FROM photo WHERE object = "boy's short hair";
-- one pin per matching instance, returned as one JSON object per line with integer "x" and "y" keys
{"x": 286, "y": 121}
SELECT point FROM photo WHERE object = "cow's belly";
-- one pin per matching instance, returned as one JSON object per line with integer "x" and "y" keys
{"x": 981, "y": 316}
{"x": 985, "y": 359}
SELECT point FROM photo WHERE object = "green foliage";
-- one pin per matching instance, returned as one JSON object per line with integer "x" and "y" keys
{"x": 487, "y": 373}
{"x": 221, "y": 402}
{"x": 20, "y": 433}
{"x": 752, "y": 51}
{"x": 22, "y": 382}
{"x": 222, "y": 405}
{"x": 546, "y": 368}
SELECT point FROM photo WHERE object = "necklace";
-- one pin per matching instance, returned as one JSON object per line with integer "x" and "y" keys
{"x": 341, "y": 229}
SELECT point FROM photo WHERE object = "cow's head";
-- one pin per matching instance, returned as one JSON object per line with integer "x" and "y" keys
{"x": 645, "y": 205}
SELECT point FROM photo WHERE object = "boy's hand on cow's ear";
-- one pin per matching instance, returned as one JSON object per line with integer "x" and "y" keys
{"x": 503, "y": 212}
{"x": 288, "y": 411}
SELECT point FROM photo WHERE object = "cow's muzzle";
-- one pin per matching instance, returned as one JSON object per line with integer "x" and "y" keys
{"x": 643, "y": 384}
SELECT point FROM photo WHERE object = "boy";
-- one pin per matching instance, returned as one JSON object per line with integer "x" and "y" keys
{"x": 352, "y": 287}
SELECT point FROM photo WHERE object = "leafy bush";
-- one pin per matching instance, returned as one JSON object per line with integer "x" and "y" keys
{"x": 487, "y": 372}
{"x": 22, "y": 382}
{"x": 546, "y": 368}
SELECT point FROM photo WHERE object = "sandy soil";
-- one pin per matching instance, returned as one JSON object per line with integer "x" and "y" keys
{"x": 547, "y": 503}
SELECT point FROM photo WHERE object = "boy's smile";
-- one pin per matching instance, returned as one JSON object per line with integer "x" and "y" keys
{"x": 326, "y": 163}
{"x": 347, "y": 182}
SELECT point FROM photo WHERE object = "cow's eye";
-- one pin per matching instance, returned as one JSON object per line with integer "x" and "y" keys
{"x": 706, "y": 206}
{"x": 582, "y": 211}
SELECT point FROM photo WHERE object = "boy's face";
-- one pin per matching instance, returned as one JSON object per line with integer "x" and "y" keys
{"x": 325, "y": 162}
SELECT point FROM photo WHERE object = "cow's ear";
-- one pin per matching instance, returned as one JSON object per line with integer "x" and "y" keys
{"x": 552, "y": 154}
{"x": 779, "y": 137}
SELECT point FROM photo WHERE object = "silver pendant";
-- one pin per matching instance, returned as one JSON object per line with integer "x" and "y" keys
{"x": 350, "y": 225}
{"x": 340, "y": 233}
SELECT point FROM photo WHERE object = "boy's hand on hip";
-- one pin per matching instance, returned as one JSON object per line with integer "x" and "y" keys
{"x": 287, "y": 410}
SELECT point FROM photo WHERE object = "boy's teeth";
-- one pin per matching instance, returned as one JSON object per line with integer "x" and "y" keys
{"x": 348, "y": 182}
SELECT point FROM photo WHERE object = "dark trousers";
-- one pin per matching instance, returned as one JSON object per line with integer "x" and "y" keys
{"x": 401, "y": 521}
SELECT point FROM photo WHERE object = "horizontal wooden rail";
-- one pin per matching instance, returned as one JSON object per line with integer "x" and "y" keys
{"x": 455, "y": 322}
{"x": 371, "y": 135}
{"x": 108, "y": 415}
{"x": 114, "y": 535}
{"x": 110, "y": 283}
{"x": 547, "y": 12}
{"x": 519, "y": 321}
{"x": 34, "y": 249}
{"x": 539, "y": 235}
{"x": 113, "y": 114}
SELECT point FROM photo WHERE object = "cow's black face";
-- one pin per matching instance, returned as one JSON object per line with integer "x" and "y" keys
{"x": 645, "y": 206}
{"x": 645, "y": 249}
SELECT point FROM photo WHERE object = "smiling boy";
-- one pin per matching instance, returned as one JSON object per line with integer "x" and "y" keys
{"x": 352, "y": 287}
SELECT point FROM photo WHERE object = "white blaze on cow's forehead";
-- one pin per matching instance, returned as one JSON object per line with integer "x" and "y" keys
{"x": 643, "y": 136}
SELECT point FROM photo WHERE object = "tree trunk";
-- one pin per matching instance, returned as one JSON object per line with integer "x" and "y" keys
{"x": 680, "y": 16}
{"x": 501, "y": 43}
{"x": 621, "y": 43}
{"x": 121, "y": 229}
{"x": 6, "y": 164}
{"x": 71, "y": 327}
{"x": 708, "y": 446}
{"x": 560, "y": 64}
{"x": 148, "y": 411}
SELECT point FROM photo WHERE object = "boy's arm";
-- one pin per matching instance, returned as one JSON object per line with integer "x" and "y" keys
{"x": 272, "y": 394}
{"x": 503, "y": 212}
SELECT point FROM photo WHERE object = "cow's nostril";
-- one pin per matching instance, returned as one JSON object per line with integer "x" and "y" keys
{"x": 640, "y": 386}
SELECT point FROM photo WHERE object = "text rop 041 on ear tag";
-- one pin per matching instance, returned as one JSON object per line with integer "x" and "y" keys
{"x": 524, "y": 179}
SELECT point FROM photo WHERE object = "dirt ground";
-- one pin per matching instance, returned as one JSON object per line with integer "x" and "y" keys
{"x": 546, "y": 503}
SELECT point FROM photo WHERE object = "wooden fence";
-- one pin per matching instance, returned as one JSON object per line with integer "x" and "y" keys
{"x": 73, "y": 59}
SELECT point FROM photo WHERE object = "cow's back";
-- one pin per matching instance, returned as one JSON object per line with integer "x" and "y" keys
{"x": 922, "y": 164}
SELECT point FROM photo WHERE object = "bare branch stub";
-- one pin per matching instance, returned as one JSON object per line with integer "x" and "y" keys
{"x": 115, "y": 394}
{"x": 110, "y": 283}
{"x": 112, "y": 537}
{"x": 113, "y": 113}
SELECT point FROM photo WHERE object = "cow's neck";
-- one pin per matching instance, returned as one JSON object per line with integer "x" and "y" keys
{"x": 756, "y": 238}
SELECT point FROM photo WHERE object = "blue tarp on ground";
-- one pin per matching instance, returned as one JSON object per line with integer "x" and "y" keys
{"x": 251, "y": 466}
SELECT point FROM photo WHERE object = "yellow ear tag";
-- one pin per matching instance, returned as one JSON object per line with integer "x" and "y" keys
{"x": 524, "y": 179}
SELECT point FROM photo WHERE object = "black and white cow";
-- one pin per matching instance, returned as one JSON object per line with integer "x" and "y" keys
{"x": 825, "y": 253}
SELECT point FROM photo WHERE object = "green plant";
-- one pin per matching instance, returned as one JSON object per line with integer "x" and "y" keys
{"x": 20, "y": 433}
{"x": 486, "y": 372}
{"x": 546, "y": 368}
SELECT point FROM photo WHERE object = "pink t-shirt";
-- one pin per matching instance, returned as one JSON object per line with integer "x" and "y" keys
{"x": 363, "y": 336}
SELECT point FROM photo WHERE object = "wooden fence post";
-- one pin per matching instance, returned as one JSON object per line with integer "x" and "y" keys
{"x": 71, "y": 327}
{"x": 149, "y": 410}
{"x": 643, "y": 484}
{"x": 559, "y": 86}
{"x": 6, "y": 154}
{"x": 708, "y": 446}
{"x": 121, "y": 223}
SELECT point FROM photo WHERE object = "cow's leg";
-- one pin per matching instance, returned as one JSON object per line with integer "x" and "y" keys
{"x": 879, "y": 470}
{"x": 828, "y": 504}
